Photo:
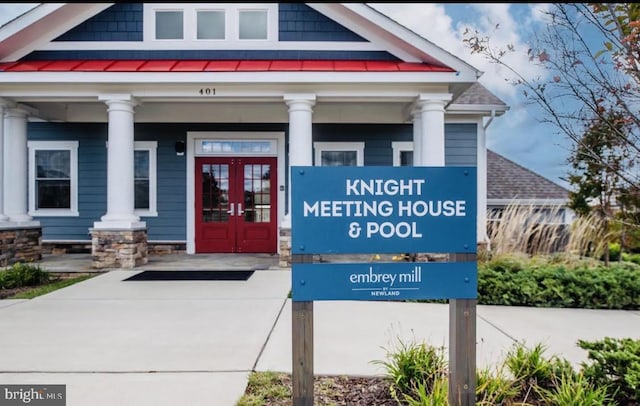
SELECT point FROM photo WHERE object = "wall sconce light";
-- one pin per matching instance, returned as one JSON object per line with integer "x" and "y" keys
{"x": 180, "y": 148}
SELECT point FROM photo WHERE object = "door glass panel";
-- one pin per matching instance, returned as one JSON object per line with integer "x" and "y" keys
{"x": 215, "y": 193}
{"x": 257, "y": 193}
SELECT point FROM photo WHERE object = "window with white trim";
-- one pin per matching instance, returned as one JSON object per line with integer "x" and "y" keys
{"x": 178, "y": 23}
{"x": 53, "y": 178}
{"x": 402, "y": 153}
{"x": 145, "y": 178}
{"x": 339, "y": 153}
{"x": 169, "y": 24}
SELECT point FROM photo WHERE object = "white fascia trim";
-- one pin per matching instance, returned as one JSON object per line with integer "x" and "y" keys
{"x": 51, "y": 21}
{"x": 206, "y": 78}
{"x": 179, "y": 45}
{"x": 27, "y": 19}
{"x": 527, "y": 202}
{"x": 397, "y": 39}
{"x": 499, "y": 109}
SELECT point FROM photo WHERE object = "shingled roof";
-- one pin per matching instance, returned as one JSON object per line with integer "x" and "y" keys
{"x": 508, "y": 180}
{"x": 478, "y": 94}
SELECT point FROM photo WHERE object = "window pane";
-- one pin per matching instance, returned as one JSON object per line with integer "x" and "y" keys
{"x": 53, "y": 194}
{"x": 253, "y": 24}
{"x": 169, "y": 25}
{"x": 339, "y": 158}
{"x": 406, "y": 158}
{"x": 141, "y": 191}
{"x": 141, "y": 164}
{"x": 210, "y": 25}
{"x": 53, "y": 179}
{"x": 53, "y": 164}
{"x": 141, "y": 175}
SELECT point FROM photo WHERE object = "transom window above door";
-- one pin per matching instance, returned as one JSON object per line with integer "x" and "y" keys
{"x": 220, "y": 24}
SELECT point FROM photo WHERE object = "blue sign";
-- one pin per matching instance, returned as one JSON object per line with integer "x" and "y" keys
{"x": 385, "y": 281}
{"x": 372, "y": 209}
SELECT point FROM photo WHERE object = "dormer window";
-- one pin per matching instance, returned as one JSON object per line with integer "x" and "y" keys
{"x": 169, "y": 25}
{"x": 209, "y": 22}
{"x": 252, "y": 24}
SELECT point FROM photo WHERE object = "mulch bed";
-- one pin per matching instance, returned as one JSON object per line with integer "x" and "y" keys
{"x": 6, "y": 293}
{"x": 343, "y": 390}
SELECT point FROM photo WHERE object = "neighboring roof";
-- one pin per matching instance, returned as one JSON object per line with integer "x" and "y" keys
{"x": 478, "y": 94}
{"x": 217, "y": 66}
{"x": 508, "y": 180}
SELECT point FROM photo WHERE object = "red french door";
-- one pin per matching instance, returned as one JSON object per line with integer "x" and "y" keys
{"x": 236, "y": 205}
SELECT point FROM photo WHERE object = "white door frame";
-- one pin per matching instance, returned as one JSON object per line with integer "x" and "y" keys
{"x": 192, "y": 153}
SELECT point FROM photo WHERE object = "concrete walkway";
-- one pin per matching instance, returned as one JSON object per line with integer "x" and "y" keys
{"x": 116, "y": 342}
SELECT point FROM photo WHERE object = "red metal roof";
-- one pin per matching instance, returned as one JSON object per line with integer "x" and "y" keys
{"x": 218, "y": 66}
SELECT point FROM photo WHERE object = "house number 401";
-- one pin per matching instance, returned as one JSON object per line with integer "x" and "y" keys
{"x": 207, "y": 91}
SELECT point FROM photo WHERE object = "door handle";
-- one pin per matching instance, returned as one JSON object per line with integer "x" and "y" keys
{"x": 240, "y": 211}
{"x": 232, "y": 210}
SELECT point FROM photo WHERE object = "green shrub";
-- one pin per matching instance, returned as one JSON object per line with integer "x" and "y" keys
{"x": 438, "y": 395}
{"x": 635, "y": 258}
{"x": 556, "y": 284}
{"x": 575, "y": 390}
{"x": 530, "y": 367}
{"x": 494, "y": 389}
{"x": 413, "y": 368}
{"x": 21, "y": 274}
{"x": 614, "y": 252}
{"x": 615, "y": 363}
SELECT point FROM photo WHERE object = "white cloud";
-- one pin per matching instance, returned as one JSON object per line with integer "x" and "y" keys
{"x": 431, "y": 21}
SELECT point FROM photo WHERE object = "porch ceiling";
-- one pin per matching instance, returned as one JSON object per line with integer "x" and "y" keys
{"x": 268, "y": 111}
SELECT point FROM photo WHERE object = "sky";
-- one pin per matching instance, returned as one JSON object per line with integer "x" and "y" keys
{"x": 518, "y": 135}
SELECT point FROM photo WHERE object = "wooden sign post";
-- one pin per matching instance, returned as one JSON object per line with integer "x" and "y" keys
{"x": 356, "y": 210}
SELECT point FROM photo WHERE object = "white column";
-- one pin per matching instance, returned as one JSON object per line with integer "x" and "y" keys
{"x": 300, "y": 137}
{"x": 120, "y": 170}
{"x": 15, "y": 165}
{"x": 431, "y": 108}
{"x": 481, "y": 151}
{"x": 417, "y": 138}
{"x": 3, "y": 217}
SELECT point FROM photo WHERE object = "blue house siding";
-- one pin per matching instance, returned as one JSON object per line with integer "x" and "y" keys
{"x": 299, "y": 22}
{"x": 460, "y": 145}
{"x": 92, "y": 164}
{"x": 377, "y": 138}
{"x": 120, "y": 22}
{"x": 460, "y": 140}
{"x": 170, "y": 224}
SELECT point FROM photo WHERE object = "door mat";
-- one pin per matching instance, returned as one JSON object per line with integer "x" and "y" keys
{"x": 191, "y": 276}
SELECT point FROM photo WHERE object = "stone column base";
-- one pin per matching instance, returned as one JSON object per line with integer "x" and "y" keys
{"x": 285, "y": 248}
{"x": 118, "y": 248}
{"x": 20, "y": 244}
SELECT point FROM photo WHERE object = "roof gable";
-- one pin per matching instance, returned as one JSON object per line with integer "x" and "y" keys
{"x": 346, "y": 23}
{"x": 507, "y": 180}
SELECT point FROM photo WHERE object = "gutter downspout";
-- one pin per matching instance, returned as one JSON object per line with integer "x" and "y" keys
{"x": 482, "y": 182}
{"x": 488, "y": 123}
